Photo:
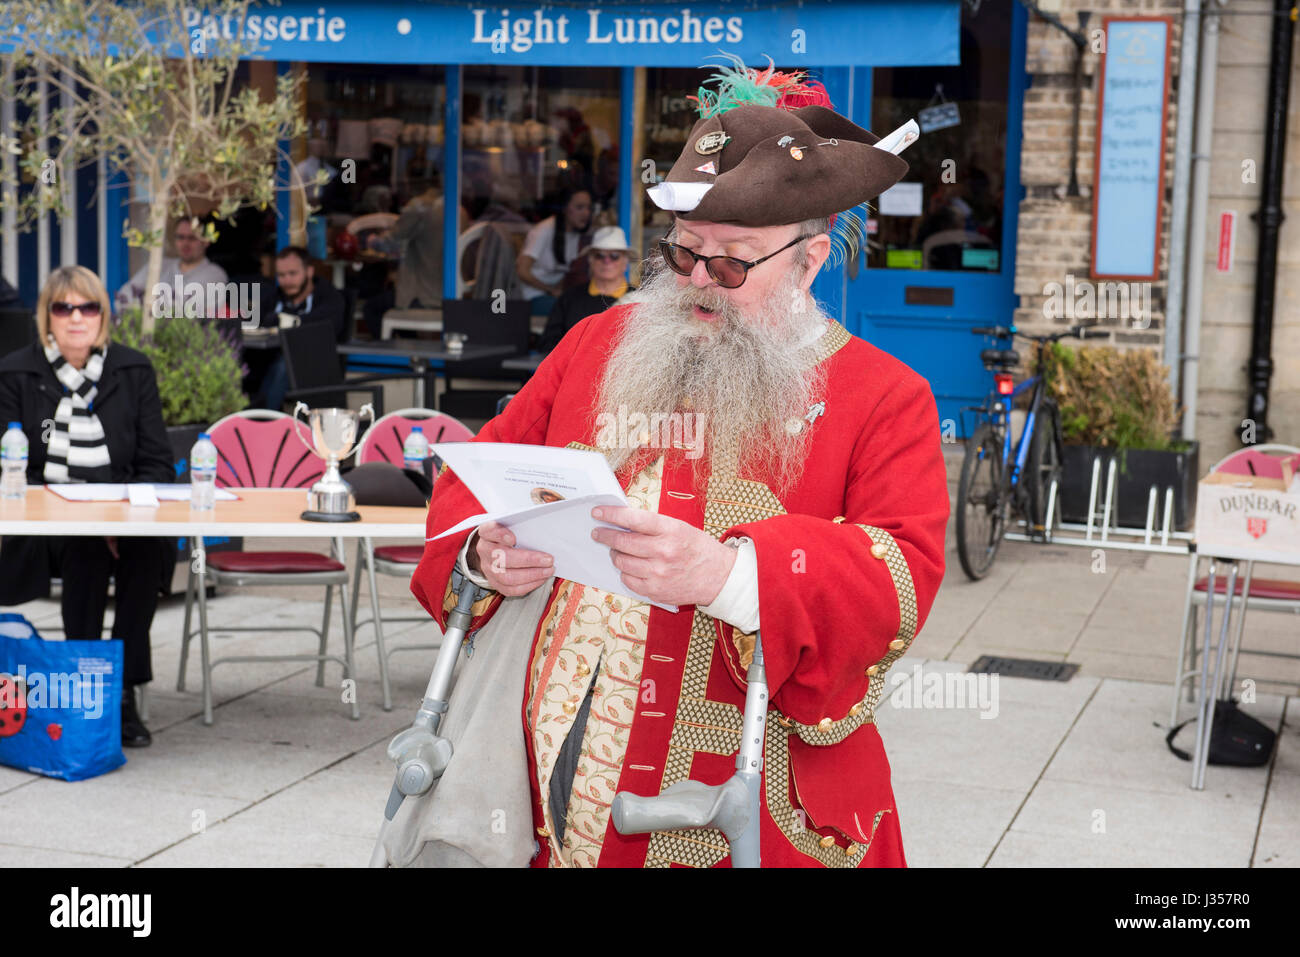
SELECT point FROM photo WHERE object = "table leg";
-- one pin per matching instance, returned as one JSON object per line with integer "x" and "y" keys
{"x": 200, "y": 560}
{"x": 1241, "y": 629}
{"x": 1208, "y": 706}
{"x": 1180, "y": 673}
{"x": 1205, "y": 660}
{"x": 419, "y": 367}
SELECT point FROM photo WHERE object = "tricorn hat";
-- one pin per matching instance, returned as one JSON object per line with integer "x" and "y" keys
{"x": 757, "y": 159}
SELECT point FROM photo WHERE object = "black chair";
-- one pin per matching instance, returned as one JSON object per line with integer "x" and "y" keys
{"x": 311, "y": 358}
{"x": 475, "y": 319}
{"x": 17, "y": 329}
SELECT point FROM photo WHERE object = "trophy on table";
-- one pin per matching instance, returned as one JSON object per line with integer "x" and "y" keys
{"x": 334, "y": 434}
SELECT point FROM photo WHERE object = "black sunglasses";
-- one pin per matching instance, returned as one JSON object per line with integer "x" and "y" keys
{"x": 727, "y": 271}
{"x": 62, "y": 310}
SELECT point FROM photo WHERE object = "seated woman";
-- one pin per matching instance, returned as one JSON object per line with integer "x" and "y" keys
{"x": 608, "y": 254}
{"x": 92, "y": 414}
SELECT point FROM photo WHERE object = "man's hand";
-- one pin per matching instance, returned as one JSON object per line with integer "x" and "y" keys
{"x": 510, "y": 571}
{"x": 664, "y": 558}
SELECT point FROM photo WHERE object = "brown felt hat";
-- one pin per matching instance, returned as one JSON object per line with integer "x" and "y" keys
{"x": 767, "y": 166}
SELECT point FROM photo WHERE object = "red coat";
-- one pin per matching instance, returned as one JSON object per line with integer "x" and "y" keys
{"x": 849, "y": 563}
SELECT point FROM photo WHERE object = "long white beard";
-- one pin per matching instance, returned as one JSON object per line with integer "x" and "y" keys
{"x": 738, "y": 380}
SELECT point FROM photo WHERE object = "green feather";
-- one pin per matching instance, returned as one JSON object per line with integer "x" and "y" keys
{"x": 735, "y": 86}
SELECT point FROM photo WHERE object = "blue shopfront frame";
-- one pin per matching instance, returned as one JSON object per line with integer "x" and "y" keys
{"x": 840, "y": 40}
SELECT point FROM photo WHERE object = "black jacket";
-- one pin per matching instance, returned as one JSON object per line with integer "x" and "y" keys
{"x": 130, "y": 411}
{"x": 571, "y": 308}
{"x": 327, "y": 305}
{"x": 126, "y": 403}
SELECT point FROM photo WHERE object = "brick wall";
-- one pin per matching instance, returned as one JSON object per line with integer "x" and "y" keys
{"x": 1055, "y": 231}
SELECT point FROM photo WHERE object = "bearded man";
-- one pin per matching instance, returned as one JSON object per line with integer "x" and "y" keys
{"x": 812, "y": 503}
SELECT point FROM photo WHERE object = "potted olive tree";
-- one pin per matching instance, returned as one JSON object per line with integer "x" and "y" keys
{"x": 199, "y": 373}
{"x": 1118, "y": 405}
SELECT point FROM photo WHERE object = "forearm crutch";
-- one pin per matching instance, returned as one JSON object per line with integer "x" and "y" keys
{"x": 420, "y": 752}
{"x": 731, "y": 807}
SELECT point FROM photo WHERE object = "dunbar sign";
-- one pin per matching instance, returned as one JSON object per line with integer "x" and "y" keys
{"x": 821, "y": 32}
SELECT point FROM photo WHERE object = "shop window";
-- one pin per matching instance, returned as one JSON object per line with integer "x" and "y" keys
{"x": 531, "y": 139}
{"x": 947, "y": 212}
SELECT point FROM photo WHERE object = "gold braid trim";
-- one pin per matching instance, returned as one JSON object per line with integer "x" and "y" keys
{"x": 793, "y": 823}
{"x": 886, "y": 549}
{"x": 827, "y": 731}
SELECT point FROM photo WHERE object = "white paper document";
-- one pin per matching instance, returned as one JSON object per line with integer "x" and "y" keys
{"x": 97, "y": 492}
{"x": 545, "y": 496}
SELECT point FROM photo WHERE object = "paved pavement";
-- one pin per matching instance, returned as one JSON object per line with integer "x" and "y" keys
{"x": 1036, "y": 773}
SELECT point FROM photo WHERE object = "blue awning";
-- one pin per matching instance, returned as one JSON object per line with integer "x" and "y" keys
{"x": 818, "y": 33}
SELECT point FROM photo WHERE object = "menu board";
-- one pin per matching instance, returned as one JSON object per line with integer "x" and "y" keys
{"x": 1129, "y": 176}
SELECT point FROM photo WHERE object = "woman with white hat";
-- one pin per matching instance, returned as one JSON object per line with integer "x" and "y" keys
{"x": 607, "y": 258}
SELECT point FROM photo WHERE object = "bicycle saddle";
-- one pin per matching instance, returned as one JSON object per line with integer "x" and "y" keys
{"x": 1000, "y": 357}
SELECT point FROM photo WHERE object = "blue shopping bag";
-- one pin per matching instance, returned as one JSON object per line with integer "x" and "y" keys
{"x": 60, "y": 703}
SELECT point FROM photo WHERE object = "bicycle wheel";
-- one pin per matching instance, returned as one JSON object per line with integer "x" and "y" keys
{"x": 1043, "y": 464}
{"x": 982, "y": 504}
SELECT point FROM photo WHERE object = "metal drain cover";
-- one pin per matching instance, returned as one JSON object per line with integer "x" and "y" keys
{"x": 1023, "y": 668}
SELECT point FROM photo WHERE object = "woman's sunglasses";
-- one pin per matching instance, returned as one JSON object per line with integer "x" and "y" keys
{"x": 727, "y": 271}
{"x": 607, "y": 257}
{"x": 61, "y": 310}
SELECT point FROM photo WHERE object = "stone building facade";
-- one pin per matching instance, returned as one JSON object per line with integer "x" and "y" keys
{"x": 1055, "y": 230}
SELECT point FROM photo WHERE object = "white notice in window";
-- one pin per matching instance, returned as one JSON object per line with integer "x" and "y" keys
{"x": 901, "y": 199}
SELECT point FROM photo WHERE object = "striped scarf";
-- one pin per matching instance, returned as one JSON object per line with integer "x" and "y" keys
{"x": 75, "y": 446}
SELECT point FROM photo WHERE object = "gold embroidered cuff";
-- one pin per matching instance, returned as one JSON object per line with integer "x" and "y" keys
{"x": 827, "y": 730}
{"x": 884, "y": 548}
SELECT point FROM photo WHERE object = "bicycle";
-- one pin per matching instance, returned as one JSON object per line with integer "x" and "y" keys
{"x": 994, "y": 477}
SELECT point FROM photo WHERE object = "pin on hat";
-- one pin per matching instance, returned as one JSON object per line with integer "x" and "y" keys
{"x": 752, "y": 124}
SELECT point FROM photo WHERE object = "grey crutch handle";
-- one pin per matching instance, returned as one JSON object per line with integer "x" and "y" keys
{"x": 732, "y": 807}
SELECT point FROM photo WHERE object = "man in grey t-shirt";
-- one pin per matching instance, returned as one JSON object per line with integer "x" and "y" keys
{"x": 190, "y": 263}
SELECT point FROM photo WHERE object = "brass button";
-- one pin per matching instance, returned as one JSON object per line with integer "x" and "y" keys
{"x": 851, "y": 850}
{"x": 855, "y": 711}
{"x": 827, "y": 841}
{"x": 569, "y": 707}
{"x": 896, "y": 644}
{"x": 873, "y": 671}
{"x": 824, "y": 724}
{"x": 543, "y": 832}
{"x": 784, "y": 722}
{"x": 837, "y": 520}
{"x": 582, "y": 671}
{"x": 879, "y": 550}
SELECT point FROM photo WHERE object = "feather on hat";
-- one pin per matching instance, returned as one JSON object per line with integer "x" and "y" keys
{"x": 769, "y": 150}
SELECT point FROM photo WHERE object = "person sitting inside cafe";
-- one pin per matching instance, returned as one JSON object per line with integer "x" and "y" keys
{"x": 608, "y": 256}
{"x": 550, "y": 248}
{"x": 298, "y": 296}
{"x": 91, "y": 412}
{"x": 190, "y": 263}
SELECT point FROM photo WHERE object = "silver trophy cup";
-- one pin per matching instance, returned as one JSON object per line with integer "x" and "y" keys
{"x": 333, "y": 434}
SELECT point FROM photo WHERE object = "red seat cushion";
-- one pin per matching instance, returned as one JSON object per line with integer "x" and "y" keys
{"x": 284, "y": 563}
{"x": 402, "y": 554}
{"x": 1259, "y": 587}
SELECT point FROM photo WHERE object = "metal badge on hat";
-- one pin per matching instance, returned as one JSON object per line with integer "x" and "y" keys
{"x": 711, "y": 142}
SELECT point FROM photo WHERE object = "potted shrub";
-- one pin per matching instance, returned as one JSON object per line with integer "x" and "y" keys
{"x": 1118, "y": 405}
{"x": 200, "y": 371}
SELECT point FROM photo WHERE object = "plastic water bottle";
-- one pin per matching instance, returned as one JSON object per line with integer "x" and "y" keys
{"x": 415, "y": 450}
{"x": 203, "y": 474}
{"x": 13, "y": 453}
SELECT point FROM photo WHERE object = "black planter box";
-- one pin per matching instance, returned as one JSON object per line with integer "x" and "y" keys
{"x": 182, "y": 439}
{"x": 1139, "y": 469}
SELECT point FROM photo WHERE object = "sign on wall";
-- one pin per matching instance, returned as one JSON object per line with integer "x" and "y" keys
{"x": 1129, "y": 175}
{"x": 820, "y": 32}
